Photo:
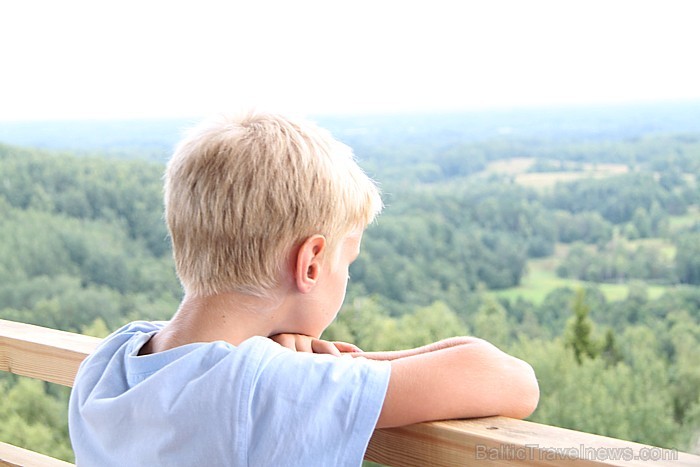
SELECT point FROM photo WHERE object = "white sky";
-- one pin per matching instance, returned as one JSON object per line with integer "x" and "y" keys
{"x": 142, "y": 58}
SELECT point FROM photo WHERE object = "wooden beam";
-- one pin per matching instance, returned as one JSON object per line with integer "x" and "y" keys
{"x": 500, "y": 441}
{"x": 15, "y": 457}
{"x": 42, "y": 353}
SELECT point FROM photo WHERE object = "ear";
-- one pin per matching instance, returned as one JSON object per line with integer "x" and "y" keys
{"x": 308, "y": 263}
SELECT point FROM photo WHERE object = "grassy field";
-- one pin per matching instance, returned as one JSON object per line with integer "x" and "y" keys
{"x": 519, "y": 168}
{"x": 538, "y": 282}
{"x": 541, "y": 279}
{"x": 680, "y": 222}
{"x": 664, "y": 246}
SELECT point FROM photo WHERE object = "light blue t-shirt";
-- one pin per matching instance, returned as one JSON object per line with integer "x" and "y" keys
{"x": 215, "y": 404}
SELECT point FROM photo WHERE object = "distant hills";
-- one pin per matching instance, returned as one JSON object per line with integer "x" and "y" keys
{"x": 155, "y": 138}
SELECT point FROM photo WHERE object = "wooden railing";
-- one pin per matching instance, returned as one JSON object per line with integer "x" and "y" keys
{"x": 54, "y": 356}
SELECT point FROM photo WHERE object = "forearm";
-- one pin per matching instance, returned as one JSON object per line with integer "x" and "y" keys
{"x": 396, "y": 354}
{"x": 462, "y": 381}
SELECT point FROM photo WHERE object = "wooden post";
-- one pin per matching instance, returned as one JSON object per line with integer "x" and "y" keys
{"x": 43, "y": 353}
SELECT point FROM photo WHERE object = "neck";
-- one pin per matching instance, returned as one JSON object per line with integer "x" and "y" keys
{"x": 230, "y": 317}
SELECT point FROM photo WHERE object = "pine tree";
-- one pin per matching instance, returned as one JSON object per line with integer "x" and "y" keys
{"x": 611, "y": 352}
{"x": 579, "y": 329}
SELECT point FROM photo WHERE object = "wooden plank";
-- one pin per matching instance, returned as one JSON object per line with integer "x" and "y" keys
{"x": 500, "y": 441}
{"x": 42, "y": 353}
{"x": 15, "y": 457}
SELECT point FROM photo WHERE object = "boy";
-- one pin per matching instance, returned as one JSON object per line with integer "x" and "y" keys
{"x": 266, "y": 214}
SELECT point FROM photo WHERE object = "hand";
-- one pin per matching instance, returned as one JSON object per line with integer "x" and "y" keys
{"x": 303, "y": 343}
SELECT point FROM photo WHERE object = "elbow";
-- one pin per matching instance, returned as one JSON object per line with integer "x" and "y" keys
{"x": 510, "y": 385}
{"x": 525, "y": 391}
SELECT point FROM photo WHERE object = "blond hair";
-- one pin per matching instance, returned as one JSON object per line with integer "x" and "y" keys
{"x": 241, "y": 192}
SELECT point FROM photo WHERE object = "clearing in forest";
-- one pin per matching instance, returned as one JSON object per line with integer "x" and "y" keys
{"x": 520, "y": 169}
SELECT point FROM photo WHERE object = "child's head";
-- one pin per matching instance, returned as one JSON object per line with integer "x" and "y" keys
{"x": 242, "y": 192}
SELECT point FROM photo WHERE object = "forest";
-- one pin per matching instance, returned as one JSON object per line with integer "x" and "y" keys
{"x": 570, "y": 238}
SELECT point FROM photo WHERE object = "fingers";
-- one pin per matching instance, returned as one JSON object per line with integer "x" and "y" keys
{"x": 285, "y": 340}
{"x": 321, "y": 346}
{"x": 346, "y": 347}
{"x": 296, "y": 342}
{"x": 302, "y": 343}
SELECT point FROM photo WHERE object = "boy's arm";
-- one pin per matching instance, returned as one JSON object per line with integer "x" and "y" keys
{"x": 467, "y": 378}
{"x": 394, "y": 354}
{"x": 304, "y": 343}
{"x": 460, "y": 377}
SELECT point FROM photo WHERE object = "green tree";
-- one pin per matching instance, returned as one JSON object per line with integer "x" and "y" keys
{"x": 34, "y": 420}
{"x": 642, "y": 222}
{"x": 688, "y": 258}
{"x": 365, "y": 323}
{"x": 610, "y": 350}
{"x": 578, "y": 335}
{"x": 623, "y": 401}
{"x": 429, "y": 324}
{"x": 491, "y": 323}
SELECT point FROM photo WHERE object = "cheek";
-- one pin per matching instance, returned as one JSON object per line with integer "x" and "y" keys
{"x": 346, "y": 281}
{"x": 342, "y": 289}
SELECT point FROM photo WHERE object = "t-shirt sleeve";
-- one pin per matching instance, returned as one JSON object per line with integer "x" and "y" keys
{"x": 308, "y": 409}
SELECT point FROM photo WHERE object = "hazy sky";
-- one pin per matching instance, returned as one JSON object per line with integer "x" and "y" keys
{"x": 143, "y": 58}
